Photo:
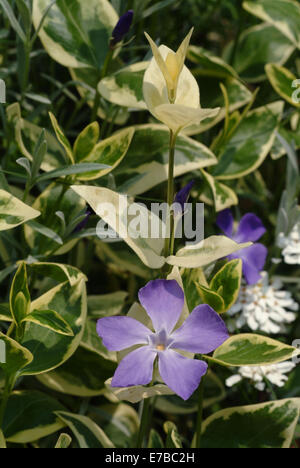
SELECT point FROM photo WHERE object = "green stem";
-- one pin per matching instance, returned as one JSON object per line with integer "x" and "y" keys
{"x": 25, "y": 78}
{"x": 200, "y": 413}
{"x": 169, "y": 243}
{"x": 103, "y": 75}
{"x": 9, "y": 385}
{"x": 144, "y": 423}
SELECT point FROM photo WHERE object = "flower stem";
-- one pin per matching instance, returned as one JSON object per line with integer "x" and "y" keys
{"x": 144, "y": 423}
{"x": 9, "y": 385}
{"x": 200, "y": 413}
{"x": 103, "y": 75}
{"x": 169, "y": 243}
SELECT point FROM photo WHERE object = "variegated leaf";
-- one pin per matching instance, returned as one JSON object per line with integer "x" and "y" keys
{"x": 125, "y": 88}
{"x": 266, "y": 425}
{"x": 250, "y": 144}
{"x": 146, "y": 163}
{"x": 252, "y": 350}
{"x": 50, "y": 349}
{"x": 13, "y": 212}
{"x": 282, "y": 14}
{"x": 76, "y": 36}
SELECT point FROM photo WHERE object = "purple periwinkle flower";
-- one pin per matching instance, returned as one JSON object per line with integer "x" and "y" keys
{"x": 202, "y": 332}
{"x": 250, "y": 229}
{"x": 122, "y": 28}
{"x": 182, "y": 196}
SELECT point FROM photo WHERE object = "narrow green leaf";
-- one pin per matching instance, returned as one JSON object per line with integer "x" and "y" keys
{"x": 75, "y": 169}
{"x": 61, "y": 137}
{"x": 50, "y": 319}
{"x": 19, "y": 298}
{"x": 13, "y": 20}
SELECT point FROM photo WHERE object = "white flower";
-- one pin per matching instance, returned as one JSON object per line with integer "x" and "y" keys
{"x": 275, "y": 373}
{"x": 170, "y": 90}
{"x": 263, "y": 307}
{"x": 291, "y": 246}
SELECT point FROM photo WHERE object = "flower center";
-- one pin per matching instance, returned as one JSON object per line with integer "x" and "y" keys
{"x": 160, "y": 341}
{"x": 160, "y": 347}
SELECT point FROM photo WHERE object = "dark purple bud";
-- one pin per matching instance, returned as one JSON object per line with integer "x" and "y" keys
{"x": 84, "y": 222}
{"x": 183, "y": 195}
{"x": 122, "y": 28}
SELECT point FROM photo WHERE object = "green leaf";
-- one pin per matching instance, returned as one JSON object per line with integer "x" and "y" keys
{"x": 27, "y": 135}
{"x": 252, "y": 350}
{"x": 207, "y": 251}
{"x": 5, "y": 314}
{"x": 58, "y": 272}
{"x": 19, "y": 298}
{"x": 63, "y": 442}
{"x": 25, "y": 13}
{"x": 292, "y": 138}
{"x": 87, "y": 433}
{"x": 109, "y": 152}
{"x": 17, "y": 357}
{"x": 125, "y": 88}
{"x": 251, "y": 143}
{"x": 155, "y": 441}
{"x": 76, "y": 169}
{"x": 12, "y": 19}
{"x": 2, "y": 440}
{"x": 86, "y": 141}
{"x": 37, "y": 227}
{"x": 79, "y": 36}
{"x": 229, "y": 279}
{"x": 267, "y": 425}
{"x": 13, "y": 212}
{"x": 119, "y": 422}
{"x": 86, "y": 383}
{"x": 173, "y": 437}
{"x": 282, "y": 80}
{"x": 54, "y": 198}
{"x": 191, "y": 277}
{"x": 148, "y": 250}
{"x": 212, "y": 298}
{"x": 86, "y": 84}
{"x": 210, "y": 65}
{"x": 119, "y": 257}
{"x": 51, "y": 349}
{"x": 282, "y": 14}
{"x": 61, "y": 137}
{"x": 142, "y": 170}
{"x": 224, "y": 197}
{"x": 30, "y": 416}
{"x": 49, "y": 319}
{"x": 256, "y": 47}
{"x": 106, "y": 305}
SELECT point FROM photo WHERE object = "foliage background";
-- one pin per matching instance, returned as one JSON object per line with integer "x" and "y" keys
{"x": 115, "y": 274}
